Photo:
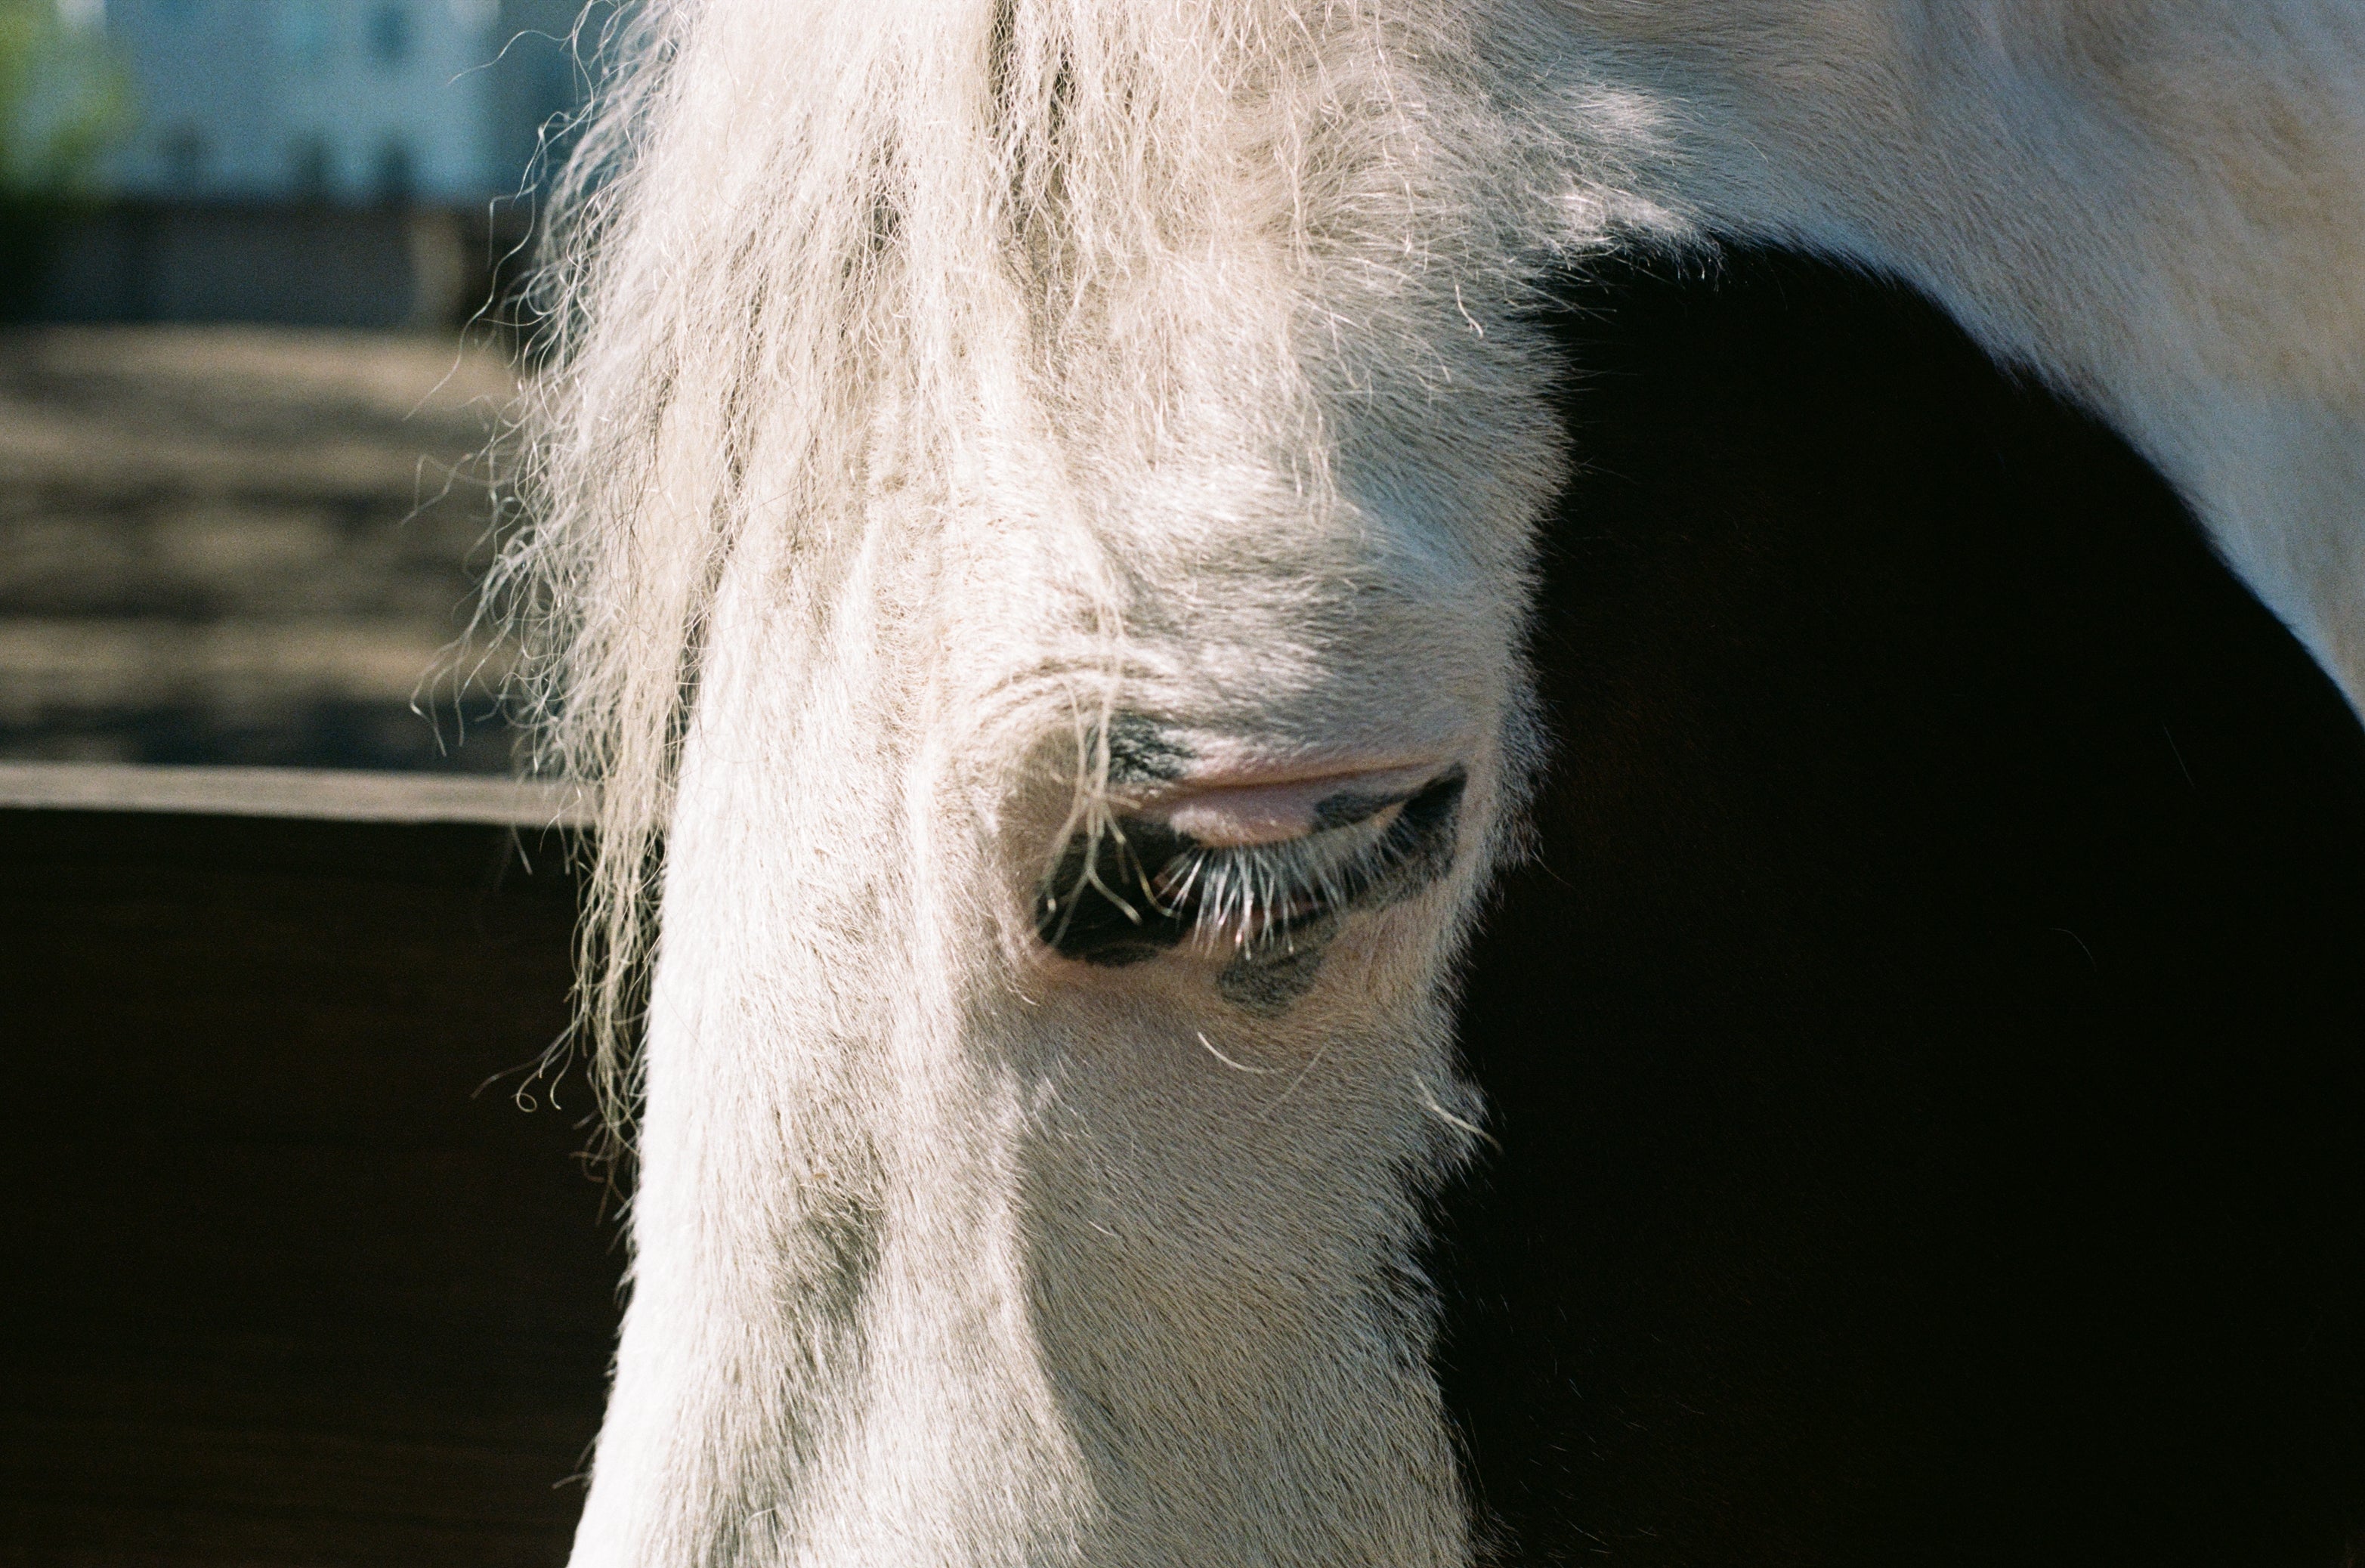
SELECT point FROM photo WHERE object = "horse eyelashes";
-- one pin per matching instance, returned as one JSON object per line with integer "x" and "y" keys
{"x": 1140, "y": 889}
{"x": 1366, "y": 850}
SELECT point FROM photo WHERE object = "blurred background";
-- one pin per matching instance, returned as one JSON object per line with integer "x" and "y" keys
{"x": 259, "y": 326}
{"x": 287, "y": 1294}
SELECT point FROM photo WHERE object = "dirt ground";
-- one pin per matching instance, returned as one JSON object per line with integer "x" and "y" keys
{"x": 252, "y": 546}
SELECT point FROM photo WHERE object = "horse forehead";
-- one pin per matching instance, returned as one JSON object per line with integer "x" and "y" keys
{"x": 1169, "y": 551}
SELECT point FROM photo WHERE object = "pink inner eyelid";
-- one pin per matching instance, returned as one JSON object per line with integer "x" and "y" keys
{"x": 1273, "y": 811}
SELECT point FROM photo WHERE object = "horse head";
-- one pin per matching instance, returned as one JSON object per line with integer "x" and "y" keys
{"x": 1037, "y": 532}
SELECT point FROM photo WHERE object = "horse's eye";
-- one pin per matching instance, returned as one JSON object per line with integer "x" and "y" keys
{"x": 1140, "y": 887}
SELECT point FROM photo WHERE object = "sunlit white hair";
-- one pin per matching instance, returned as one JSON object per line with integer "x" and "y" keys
{"x": 793, "y": 233}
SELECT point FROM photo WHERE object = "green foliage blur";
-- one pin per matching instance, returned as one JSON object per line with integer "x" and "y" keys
{"x": 64, "y": 101}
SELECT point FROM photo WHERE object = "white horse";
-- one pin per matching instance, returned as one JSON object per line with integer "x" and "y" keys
{"x": 1037, "y": 516}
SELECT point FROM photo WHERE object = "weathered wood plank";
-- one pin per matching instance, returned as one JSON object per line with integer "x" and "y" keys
{"x": 316, "y": 794}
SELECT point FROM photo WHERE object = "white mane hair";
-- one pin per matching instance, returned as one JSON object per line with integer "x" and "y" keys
{"x": 937, "y": 385}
